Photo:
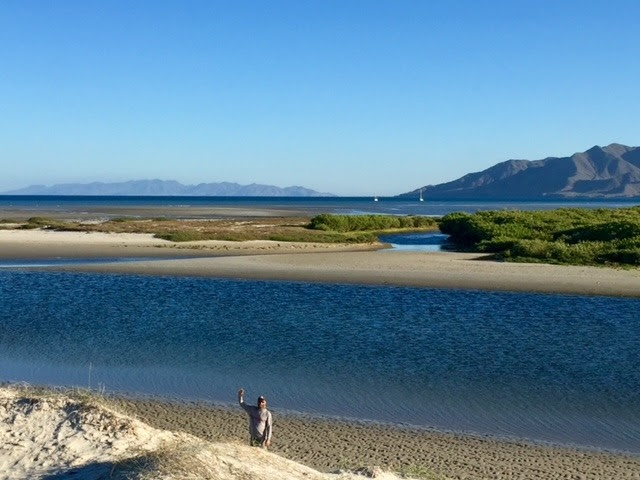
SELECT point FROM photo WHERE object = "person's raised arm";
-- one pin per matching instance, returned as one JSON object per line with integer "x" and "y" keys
{"x": 241, "y": 400}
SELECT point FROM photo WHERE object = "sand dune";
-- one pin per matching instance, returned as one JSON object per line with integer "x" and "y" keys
{"x": 52, "y": 436}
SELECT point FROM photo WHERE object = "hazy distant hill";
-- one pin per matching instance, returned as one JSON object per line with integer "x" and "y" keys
{"x": 600, "y": 172}
{"x": 168, "y": 188}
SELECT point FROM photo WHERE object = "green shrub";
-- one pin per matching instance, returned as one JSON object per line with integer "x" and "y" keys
{"x": 43, "y": 222}
{"x": 496, "y": 245}
{"x": 574, "y": 236}
{"x": 182, "y": 236}
{"x": 622, "y": 256}
{"x": 600, "y": 232}
{"x": 329, "y": 237}
{"x": 465, "y": 229}
{"x": 353, "y": 223}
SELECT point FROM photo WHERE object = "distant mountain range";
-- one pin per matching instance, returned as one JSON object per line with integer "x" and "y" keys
{"x": 600, "y": 172}
{"x": 168, "y": 188}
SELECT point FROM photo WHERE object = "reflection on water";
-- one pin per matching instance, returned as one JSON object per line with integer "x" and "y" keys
{"x": 550, "y": 367}
{"x": 416, "y": 242}
{"x": 58, "y": 261}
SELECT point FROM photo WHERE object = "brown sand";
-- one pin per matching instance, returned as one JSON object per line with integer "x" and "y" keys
{"x": 48, "y": 435}
{"x": 315, "y": 263}
{"x": 30, "y": 244}
{"x": 329, "y": 444}
{"x": 429, "y": 269}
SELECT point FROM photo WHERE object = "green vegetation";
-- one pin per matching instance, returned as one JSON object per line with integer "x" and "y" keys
{"x": 300, "y": 235}
{"x": 321, "y": 229}
{"x": 47, "y": 223}
{"x": 418, "y": 471}
{"x": 567, "y": 236}
{"x": 328, "y": 237}
{"x": 184, "y": 236}
{"x": 358, "y": 223}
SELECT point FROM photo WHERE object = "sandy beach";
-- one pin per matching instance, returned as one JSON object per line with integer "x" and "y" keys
{"x": 74, "y": 435}
{"x": 317, "y": 262}
{"x": 327, "y": 444}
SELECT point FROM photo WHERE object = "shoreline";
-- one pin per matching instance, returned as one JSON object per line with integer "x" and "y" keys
{"x": 327, "y": 444}
{"x": 312, "y": 262}
{"x": 64, "y": 431}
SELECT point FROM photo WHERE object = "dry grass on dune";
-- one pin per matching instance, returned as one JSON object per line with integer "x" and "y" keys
{"x": 53, "y": 436}
{"x": 285, "y": 229}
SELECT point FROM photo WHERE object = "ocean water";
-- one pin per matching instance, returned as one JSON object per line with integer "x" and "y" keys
{"x": 110, "y": 205}
{"x": 553, "y": 368}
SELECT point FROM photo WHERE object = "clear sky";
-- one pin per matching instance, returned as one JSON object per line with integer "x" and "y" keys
{"x": 352, "y": 97}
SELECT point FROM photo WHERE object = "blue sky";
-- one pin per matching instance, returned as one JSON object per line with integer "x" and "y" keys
{"x": 348, "y": 97}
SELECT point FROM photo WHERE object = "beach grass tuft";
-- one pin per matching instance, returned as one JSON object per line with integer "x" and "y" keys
{"x": 415, "y": 471}
{"x": 40, "y": 222}
{"x": 183, "y": 236}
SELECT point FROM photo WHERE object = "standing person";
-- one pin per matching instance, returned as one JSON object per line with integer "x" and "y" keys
{"x": 260, "y": 421}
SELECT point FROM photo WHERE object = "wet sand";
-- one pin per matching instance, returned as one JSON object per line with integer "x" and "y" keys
{"x": 328, "y": 444}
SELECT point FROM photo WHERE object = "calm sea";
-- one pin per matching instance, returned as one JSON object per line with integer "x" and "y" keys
{"x": 107, "y": 205}
{"x": 555, "y": 368}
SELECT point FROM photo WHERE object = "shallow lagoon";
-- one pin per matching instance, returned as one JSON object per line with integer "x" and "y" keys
{"x": 553, "y": 368}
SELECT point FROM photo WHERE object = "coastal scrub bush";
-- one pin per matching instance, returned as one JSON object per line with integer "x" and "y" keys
{"x": 600, "y": 232}
{"x": 465, "y": 229}
{"x": 624, "y": 256}
{"x": 353, "y": 223}
{"x": 568, "y": 235}
{"x": 39, "y": 222}
{"x": 184, "y": 236}
{"x": 49, "y": 223}
{"x": 328, "y": 237}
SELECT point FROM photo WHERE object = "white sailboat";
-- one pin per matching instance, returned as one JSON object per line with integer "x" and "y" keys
{"x": 375, "y": 198}
{"x": 421, "y": 199}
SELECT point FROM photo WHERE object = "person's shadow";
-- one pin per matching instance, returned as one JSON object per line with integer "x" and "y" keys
{"x": 129, "y": 469}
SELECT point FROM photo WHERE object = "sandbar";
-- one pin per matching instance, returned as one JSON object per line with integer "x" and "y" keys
{"x": 365, "y": 264}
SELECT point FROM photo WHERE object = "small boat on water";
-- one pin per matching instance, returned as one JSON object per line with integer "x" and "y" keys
{"x": 375, "y": 199}
{"x": 421, "y": 199}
